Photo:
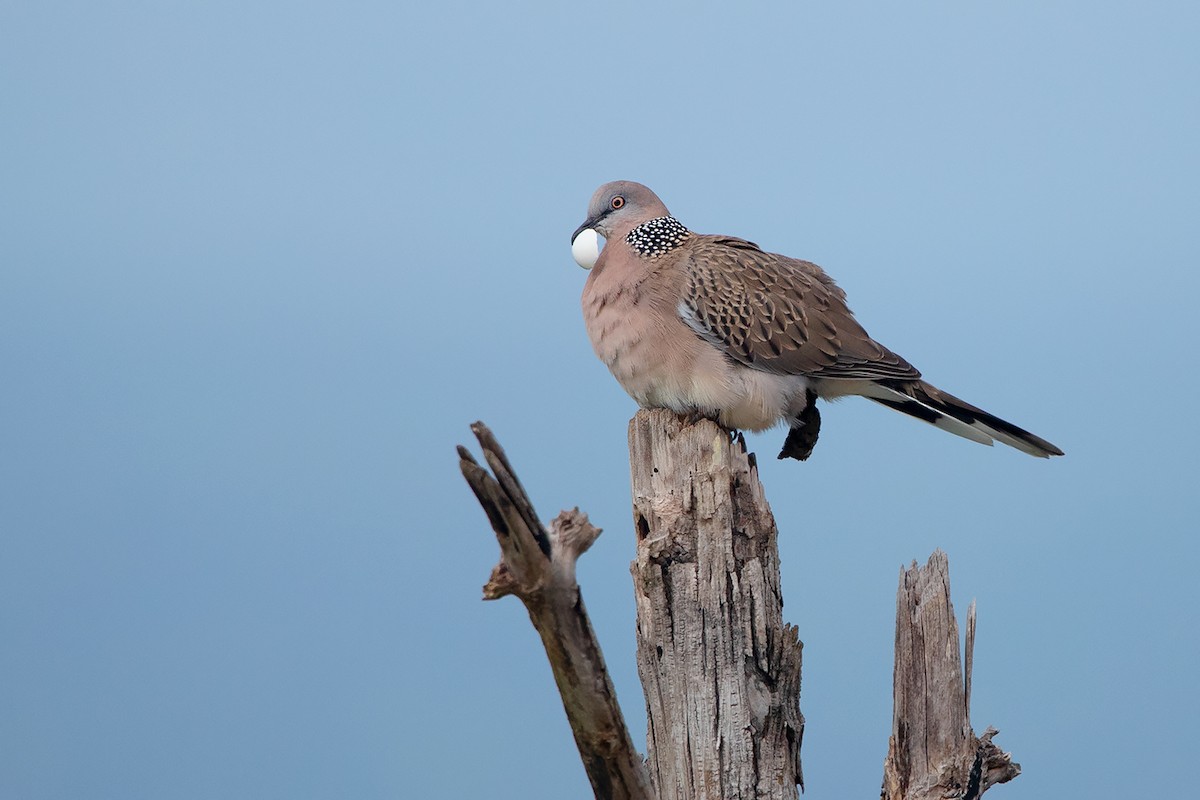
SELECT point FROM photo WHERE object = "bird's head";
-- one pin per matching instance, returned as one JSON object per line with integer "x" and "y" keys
{"x": 615, "y": 209}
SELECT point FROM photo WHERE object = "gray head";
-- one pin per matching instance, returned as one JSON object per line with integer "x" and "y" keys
{"x": 619, "y": 207}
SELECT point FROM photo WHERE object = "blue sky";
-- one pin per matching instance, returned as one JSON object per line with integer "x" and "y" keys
{"x": 262, "y": 264}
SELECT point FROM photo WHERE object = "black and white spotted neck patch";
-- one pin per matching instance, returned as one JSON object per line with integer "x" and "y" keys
{"x": 657, "y": 237}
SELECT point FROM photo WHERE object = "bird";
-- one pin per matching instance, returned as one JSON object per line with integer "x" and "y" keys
{"x": 715, "y": 327}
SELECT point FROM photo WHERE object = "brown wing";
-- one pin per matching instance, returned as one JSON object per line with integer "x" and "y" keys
{"x": 778, "y": 314}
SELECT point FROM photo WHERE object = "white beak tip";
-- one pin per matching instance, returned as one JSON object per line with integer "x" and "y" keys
{"x": 586, "y": 248}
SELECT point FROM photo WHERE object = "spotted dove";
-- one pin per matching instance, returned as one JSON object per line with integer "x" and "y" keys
{"x": 717, "y": 327}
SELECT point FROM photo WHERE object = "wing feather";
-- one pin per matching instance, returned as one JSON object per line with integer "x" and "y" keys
{"x": 778, "y": 314}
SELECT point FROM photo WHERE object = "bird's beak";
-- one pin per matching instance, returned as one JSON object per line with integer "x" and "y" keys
{"x": 587, "y": 223}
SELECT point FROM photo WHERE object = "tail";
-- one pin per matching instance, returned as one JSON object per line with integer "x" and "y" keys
{"x": 942, "y": 409}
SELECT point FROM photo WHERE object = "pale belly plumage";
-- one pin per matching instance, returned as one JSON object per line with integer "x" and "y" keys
{"x": 662, "y": 363}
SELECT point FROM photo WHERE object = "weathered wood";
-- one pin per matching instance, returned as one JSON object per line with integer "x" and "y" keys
{"x": 538, "y": 566}
{"x": 720, "y": 669}
{"x": 933, "y": 753}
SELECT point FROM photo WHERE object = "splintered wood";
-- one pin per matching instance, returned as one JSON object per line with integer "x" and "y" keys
{"x": 932, "y": 752}
{"x": 720, "y": 669}
{"x": 538, "y": 566}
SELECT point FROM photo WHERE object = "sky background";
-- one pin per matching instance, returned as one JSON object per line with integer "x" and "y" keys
{"x": 261, "y": 265}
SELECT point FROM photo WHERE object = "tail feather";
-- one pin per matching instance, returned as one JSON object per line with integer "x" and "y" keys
{"x": 930, "y": 404}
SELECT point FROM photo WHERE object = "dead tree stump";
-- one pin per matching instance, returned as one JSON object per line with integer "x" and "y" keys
{"x": 932, "y": 753}
{"x": 719, "y": 668}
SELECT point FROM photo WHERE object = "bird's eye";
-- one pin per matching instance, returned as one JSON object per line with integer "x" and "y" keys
{"x": 617, "y": 202}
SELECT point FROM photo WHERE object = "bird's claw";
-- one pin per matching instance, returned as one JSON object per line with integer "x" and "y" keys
{"x": 695, "y": 415}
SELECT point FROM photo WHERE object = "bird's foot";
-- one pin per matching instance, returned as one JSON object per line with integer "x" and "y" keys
{"x": 802, "y": 437}
{"x": 695, "y": 415}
